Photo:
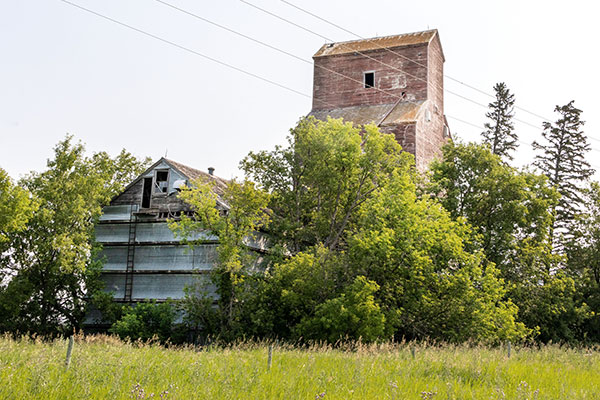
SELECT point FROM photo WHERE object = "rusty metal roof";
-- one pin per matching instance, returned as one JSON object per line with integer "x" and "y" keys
{"x": 361, "y": 45}
{"x": 380, "y": 114}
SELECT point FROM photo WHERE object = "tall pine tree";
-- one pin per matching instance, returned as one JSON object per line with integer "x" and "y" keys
{"x": 562, "y": 160}
{"x": 499, "y": 132}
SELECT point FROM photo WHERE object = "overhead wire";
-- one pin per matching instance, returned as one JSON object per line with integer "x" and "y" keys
{"x": 485, "y": 106}
{"x": 260, "y": 42}
{"x": 544, "y": 119}
{"x": 411, "y": 60}
{"x": 187, "y": 49}
{"x": 166, "y": 41}
{"x": 187, "y": 12}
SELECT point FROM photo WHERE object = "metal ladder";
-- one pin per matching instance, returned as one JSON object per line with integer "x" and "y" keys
{"x": 130, "y": 256}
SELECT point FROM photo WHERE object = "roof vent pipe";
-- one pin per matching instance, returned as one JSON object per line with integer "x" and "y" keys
{"x": 211, "y": 170}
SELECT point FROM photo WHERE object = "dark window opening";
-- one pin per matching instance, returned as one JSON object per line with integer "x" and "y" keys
{"x": 146, "y": 192}
{"x": 369, "y": 79}
{"x": 162, "y": 181}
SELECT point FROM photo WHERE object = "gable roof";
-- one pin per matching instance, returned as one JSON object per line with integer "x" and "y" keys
{"x": 377, "y": 43}
{"x": 194, "y": 174}
{"x": 188, "y": 172}
{"x": 379, "y": 114}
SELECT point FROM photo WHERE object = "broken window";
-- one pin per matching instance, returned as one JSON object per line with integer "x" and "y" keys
{"x": 369, "y": 79}
{"x": 161, "y": 181}
{"x": 146, "y": 192}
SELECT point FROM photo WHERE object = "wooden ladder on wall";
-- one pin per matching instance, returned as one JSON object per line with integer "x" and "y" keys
{"x": 130, "y": 256}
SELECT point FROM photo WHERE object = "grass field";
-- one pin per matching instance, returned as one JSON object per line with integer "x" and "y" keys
{"x": 104, "y": 368}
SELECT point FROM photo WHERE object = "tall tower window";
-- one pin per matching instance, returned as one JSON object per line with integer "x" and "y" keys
{"x": 369, "y": 79}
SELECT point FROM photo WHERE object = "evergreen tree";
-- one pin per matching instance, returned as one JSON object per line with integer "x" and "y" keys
{"x": 563, "y": 161}
{"x": 499, "y": 133}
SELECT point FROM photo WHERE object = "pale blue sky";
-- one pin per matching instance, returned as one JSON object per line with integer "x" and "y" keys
{"x": 63, "y": 70}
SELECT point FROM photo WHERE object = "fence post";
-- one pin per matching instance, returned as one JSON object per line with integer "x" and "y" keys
{"x": 69, "y": 351}
{"x": 270, "y": 359}
{"x": 508, "y": 349}
{"x": 412, "y": 351}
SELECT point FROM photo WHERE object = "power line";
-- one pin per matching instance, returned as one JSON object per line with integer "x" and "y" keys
{"x": 186, "y": 49}
{"x": 520, "y": 141}
{"x": 342, "y": 44}
{"x": 485, "y": 106}
{"x": 293, "y": 55}
{"x": 229, "y": 65}
{"x": 397, "y": 97}
{"x": 205, "y": 56}
{"x": 287, "y": 53}
{"x": 414, "y": 61}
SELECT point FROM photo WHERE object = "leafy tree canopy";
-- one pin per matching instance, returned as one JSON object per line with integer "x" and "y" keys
{"x": 16, "y": 208}
{"x": 322, "y": 177}
{"x": 510, "y": 210}
{"x": 357, "y": 243}
{"x": 50, "y": 267}
{"x": 235, "y": 217}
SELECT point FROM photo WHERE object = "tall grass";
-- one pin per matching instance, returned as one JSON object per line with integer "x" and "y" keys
{"x": 102, "y": 367}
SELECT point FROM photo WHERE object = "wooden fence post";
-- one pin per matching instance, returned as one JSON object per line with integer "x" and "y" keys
{"x": 69, "y": 351}
{"x": 270, "y": 359}
{"x": 508, "y": 349}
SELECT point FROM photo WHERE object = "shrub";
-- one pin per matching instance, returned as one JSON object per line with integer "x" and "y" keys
{"x": 144, "y": 321}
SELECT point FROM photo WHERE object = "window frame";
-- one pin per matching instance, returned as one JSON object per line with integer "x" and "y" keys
{"x": 156, "y": 189}
{"x": 365, "y": 79}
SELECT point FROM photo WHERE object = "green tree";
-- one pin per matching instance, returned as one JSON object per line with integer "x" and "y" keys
{"x": 510, "y": 210}
{"x": 235, "y": 217}
{"x": 583, "y": 255}
{"x": 430, "y": 285}
{"x": 511, "y": 214}
{"x": 562, "y": 160}
{"x": 353, "y": 315}
{"x": 499, "y": 132}
{"x": 16, "y": 209}
{"x": 51, "y": 267}
{"x": 292, "y": 289}
{"x": 145, "y": 321}
{"x": 352, "y": 240}
{"x": 322, "y": 177}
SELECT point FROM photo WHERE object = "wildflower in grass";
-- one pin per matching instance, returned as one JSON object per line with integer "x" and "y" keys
{"x": 425, "y": 395}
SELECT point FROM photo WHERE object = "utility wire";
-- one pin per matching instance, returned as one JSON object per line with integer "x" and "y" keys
{"x": 229, "y": 65}
{"x": 287, "y": 53}
{"x": 303, "y": 59}
{"x": 411, "y": 60}
{"x": 397, "y": 97}
{"x": 262, "y": 43}
{"x": 186, "y": 49}
{"x": 205, "y": 56}
{"x": 482, "y": 105}
{"x": 417, "y": 63}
